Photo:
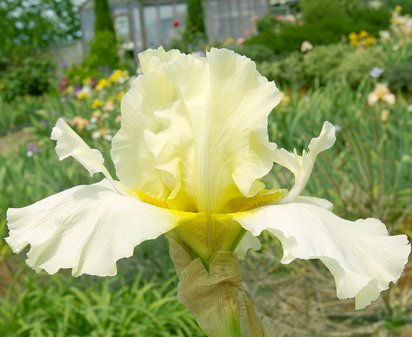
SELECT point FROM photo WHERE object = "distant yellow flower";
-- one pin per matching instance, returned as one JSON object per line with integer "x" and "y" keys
{"x": 363, "y": 34}
{"x": 398, "y": 9}
{"x": 370, "y": 41}
{"x": 353, "y": 37}
{"x": 70, "y": 89}
{"x": 103, "y": 83}
{"x": 119, "y": 76}
{"x": 116, "y": 75}
{"x": 97, "y": 103}
{"x": 230, "y": 40}
{"x": 362, "y": 39}
{"x": 82, "y": 94}
{"x": 120, "y": 95}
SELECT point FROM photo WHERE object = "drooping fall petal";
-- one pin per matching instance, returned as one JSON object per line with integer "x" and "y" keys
{"x": 361, "y": 255}
{"x": 86, "y": 228}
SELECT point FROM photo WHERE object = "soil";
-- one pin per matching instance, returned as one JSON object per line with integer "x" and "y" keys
{"x": 12, "y": 141}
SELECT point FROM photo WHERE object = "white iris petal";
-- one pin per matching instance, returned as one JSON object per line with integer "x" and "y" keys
{"x": 361, "y": 255}
{"x": 194, "y": 138}
{"x": 86, "y": 228}
{"x": 194, "y": 130}
{"x": 301, "y": 166}
{"x": 70, "y": 144}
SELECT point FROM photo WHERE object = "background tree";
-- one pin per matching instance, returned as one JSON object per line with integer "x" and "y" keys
{"x": 30, "y": 26}
{"x": 103, "y": 21}
{"x": 27, "y": 29}
{"x": 103, "y": 48}
{"x": 195, "y": 25}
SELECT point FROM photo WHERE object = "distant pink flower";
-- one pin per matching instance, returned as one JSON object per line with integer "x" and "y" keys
{"x": 63, "y": 84}
{"x": 247, "y": 32}
{"x": 306, "y": 46}
{"x": 279, "y": 18}
{"x": 109, "y": 106}
{"x": 290, "y": 18}
{"x": 253, "y": 18}
{"x": 176, "y": 23}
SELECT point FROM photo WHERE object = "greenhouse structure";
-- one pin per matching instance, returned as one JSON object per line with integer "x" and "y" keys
{"x": 142, "y": 24}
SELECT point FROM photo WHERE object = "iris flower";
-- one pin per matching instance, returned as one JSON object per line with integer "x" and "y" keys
{"x": 190, "y": 156}
{"x": 381, "y": 93}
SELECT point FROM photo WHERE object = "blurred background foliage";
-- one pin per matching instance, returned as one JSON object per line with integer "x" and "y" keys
{"x": 351, "y": 49}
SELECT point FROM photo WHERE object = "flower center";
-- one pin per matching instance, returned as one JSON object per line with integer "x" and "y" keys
{"x": 263, "y": 198}
{"x": 148, "y": 199}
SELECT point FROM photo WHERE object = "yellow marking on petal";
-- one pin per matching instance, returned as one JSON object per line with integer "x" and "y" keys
{"x": 262, "y": 199}
{"x": 148, "y": 199}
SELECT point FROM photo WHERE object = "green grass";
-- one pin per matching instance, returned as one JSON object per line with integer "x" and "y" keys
{"x": 367, "y": 172}
{"x": 40, "y": 306}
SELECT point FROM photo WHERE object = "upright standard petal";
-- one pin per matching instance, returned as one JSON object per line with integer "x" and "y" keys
{"x": 361, "y": 255}
{"x": 301, "y": 166}
{"x": 197, "y": 130}
{"x": 70, "y": 144}
{"x": 86, "y": 228}
{"x": 131, "y": 152}
{"x": 228, "y": 108}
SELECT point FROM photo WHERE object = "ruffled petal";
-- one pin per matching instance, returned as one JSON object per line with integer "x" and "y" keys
{"x": 361, "y": 255}
{"x": 301, "y": 166}
{"x": 152, "y": 59}
{"x": 69, "y": 144}
{"x": 316, "y": 201}
{"x": 194, "y": 130}
{"x": 143, "y": 107}
{"x": 227, "y": 102}
{"x": 248, "y": 242}
{"x": 86, "y": 228}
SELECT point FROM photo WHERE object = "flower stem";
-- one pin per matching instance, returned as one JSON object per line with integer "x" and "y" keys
{"x": 215, "y": 296}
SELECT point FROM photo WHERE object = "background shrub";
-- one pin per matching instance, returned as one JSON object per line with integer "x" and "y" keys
{"x": 288, "y": 71}
{"x": 103, "y": 52}
{"x": 266, "y": 23}
{"x": 256, "y": 53}
{"x": 371, "y": 20}
{"x": 324, "y": 26}
{"x": 406, "y": 5}
{"x": 399, "y": 76}
{"x": 33, "y": 76}
{"x": 77, "y": 73}
{"x": 103, "y": 48}
{"x": 320, "y": 10}
{"x": 195, "y": 31}
{"x": 322, "y": 60}
{"x": 355, "y": 67}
